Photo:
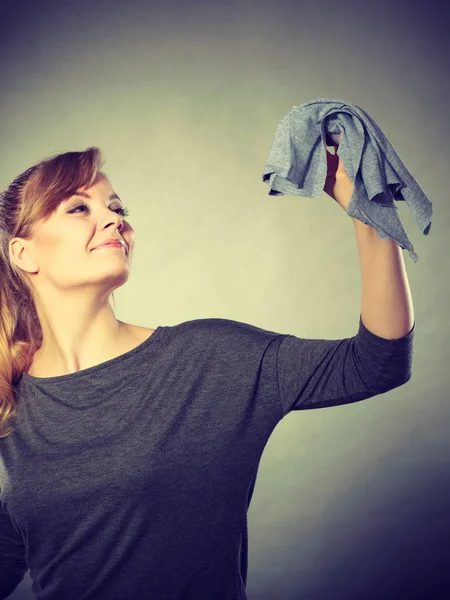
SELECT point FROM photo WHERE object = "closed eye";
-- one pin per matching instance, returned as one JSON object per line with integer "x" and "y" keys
{"x": 121, "y": 210}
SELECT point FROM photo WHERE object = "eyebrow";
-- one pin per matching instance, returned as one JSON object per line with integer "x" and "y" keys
{"x": 85, "y": 195}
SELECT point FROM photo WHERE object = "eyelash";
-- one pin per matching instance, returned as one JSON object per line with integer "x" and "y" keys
{"x": 121, "y": 211}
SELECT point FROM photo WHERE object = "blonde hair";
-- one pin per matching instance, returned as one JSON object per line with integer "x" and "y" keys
{"x": 32, "y": 196}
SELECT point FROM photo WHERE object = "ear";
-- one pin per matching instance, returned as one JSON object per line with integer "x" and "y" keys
{"x": 21, "y": 256}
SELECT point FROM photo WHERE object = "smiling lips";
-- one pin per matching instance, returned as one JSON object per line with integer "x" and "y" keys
{"x": 110, "y": 245}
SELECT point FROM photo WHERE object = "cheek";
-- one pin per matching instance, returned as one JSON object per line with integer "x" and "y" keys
{"x": 64, "y": 251}
{"x": 130, "y": 239}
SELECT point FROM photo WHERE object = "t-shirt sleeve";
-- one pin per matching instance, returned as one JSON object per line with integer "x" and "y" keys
{"x": 316, "y": 373}
{"x": 13, "y": 564}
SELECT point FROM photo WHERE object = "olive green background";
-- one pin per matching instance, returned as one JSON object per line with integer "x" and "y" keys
{"x": 183, "y": 98}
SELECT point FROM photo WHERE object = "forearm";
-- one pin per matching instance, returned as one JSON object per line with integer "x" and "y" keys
{"x": 387, "y": 308}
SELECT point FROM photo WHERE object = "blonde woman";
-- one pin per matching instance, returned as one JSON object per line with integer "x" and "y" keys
{"x": 129, "y": 455}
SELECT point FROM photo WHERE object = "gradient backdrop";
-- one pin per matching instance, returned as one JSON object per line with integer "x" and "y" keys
{"x": 351, "y": 502}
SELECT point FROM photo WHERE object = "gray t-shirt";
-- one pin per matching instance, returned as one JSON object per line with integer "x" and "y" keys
{"x": 132, "y": 479}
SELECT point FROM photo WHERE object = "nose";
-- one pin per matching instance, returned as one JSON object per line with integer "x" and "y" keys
{"x": 118, "y": 224}
{"x": 118, "y": 220}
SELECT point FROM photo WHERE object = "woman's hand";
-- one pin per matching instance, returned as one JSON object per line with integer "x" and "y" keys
{"x": 338, "y": 184}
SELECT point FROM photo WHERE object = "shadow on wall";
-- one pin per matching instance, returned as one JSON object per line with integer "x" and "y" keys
{"x": 387, "y": 545}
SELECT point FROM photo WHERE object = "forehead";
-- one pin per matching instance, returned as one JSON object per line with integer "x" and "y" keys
{"x": 101, "y": 183}
{"x": 101, "y": 187}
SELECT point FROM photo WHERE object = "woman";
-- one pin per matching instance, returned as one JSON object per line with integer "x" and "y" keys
{"x": 134, "y": 453}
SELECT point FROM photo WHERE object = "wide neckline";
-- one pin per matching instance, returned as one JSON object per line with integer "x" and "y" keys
{"x": 111, "y": 362}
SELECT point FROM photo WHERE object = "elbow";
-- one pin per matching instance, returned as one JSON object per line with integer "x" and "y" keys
{"x": 399, "y": 382}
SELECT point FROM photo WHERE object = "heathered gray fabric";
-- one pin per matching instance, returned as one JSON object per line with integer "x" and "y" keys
{"x": 297, "y": 166}
{"x": 132, "y": 479}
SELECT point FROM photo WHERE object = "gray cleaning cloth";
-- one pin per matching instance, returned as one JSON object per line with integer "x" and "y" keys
{"x": 297, "y": 166}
